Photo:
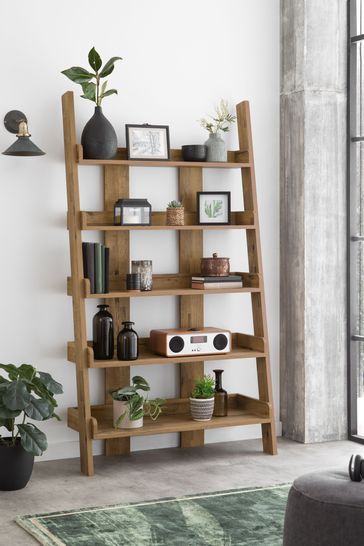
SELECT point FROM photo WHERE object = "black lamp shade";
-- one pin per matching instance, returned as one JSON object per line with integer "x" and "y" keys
{"x": 23, "y": 146}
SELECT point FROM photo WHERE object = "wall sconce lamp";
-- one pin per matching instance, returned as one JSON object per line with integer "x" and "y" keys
{"x": 16, "y": 122}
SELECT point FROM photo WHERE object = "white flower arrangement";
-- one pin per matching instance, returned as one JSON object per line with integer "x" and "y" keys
{"x": 220, "y": 121}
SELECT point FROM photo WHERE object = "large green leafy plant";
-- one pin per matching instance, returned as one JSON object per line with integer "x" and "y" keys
{"x": 26, "y": 393}
{"x": 91, "y": 81}
{"x": 137, "y": 404}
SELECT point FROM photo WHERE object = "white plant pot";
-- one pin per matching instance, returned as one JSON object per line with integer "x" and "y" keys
{"x": 119, "y": 408}
{"x": 202, "y": 408}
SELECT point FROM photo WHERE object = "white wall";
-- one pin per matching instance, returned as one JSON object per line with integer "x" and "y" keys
{"x": 180, "y": 58}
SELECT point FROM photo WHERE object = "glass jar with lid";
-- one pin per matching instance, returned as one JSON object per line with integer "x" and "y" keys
{"x": 144, "y": 268}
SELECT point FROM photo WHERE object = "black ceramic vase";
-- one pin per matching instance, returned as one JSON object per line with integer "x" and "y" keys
{"x": 98, "y": 138}
{"x": 128, "y": 342}
{"x": 16, "y": 466}
{"x": 103, "y": 334}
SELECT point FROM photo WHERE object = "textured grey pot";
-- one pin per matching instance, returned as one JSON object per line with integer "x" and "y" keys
{"x": 202, "y": 408}
{"x": 98, "y": 138}
{"x": 216, "y": 148}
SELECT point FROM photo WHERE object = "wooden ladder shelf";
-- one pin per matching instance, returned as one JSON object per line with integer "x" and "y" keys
{"x": 95, "y": 422}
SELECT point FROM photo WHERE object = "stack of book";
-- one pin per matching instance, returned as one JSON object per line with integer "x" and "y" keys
{"x": 96, "y": 266}
{"x": 209, "y": 283}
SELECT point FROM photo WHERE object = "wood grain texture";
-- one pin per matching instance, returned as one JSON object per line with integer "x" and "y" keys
{"x": 236, "y": 159}
{"x": 191, "y": 307}
{"x": 116, "y": 186}
{"x": 255, "y": 266}
{"x": 176, "y": 417}
{"x": 79, "y": 320}
{"x": 104, "y": 221}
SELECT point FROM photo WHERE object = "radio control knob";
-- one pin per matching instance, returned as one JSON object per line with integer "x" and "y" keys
{"x": 220, "y": 342}
{"x": 176, "y": 344}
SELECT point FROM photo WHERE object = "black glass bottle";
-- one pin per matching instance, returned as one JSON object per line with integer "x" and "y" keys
{"x": 128, "y": 346}
{"x": 103, "y": 334}
{"x": 221, "y": 396}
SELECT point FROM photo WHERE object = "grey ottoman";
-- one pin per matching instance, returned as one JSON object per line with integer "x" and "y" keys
{"x": 325, "y": 509}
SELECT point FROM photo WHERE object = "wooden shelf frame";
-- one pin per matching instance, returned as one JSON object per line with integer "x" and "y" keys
{"x": 165, "y": 285}
{"x": 243, "y": 346}
{"x": 95, "y": 422}
{"x": 242, "y": 410}
{"x": 236, "y": 160}
{"x": 103, "y": 221}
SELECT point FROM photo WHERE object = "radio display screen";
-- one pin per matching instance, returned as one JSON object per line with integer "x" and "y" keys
{"x": 198, "y": 339}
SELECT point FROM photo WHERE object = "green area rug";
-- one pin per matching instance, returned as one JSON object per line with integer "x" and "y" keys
{"x": 229, "y": 518}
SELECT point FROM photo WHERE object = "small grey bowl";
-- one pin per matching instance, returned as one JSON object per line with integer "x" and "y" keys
{"x": 194, "y": 152}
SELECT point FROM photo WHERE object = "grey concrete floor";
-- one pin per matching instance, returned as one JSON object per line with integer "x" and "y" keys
{"x": 58, "y": 485}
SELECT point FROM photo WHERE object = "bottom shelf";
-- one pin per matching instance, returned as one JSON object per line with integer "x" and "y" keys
{"x": 242, "y": 410}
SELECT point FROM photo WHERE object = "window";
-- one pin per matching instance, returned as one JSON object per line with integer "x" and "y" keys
{"x": 356, "y": 219}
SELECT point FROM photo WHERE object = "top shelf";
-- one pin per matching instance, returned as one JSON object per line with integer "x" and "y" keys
{"x": 236, "y": 160}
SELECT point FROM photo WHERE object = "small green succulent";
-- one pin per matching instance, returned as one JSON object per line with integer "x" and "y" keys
{"x": 175, "y": 205}
{"x": 204, "y": 387}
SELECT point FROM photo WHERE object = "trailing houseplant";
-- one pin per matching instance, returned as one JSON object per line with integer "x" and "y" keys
{"x": 130, "y": 406}
{"x": 175, "y": 214}
{"x": 98, "y": 139}
{"x": 219, "y": 122}
{"x": 24, "y": 394}
{"x": 202, "y": 398}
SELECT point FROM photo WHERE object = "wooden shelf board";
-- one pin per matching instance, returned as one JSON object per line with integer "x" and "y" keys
{"x": 236, "y": 160}
{"x": 103, "y": 221}
{"x": 244, "y": 346}
{"x": 164, "y": 228}
{"x": 167, "y": 285}
{"x": 176, "y": 418}
{"x": 171, "y": 292}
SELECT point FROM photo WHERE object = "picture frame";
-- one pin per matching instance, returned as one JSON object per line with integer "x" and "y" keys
{"x": 147, "y": 142}
{"x": 213, "y": 207}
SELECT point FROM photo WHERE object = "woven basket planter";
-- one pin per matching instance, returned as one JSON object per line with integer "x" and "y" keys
{"x": 176, "y": 217}
{"x": 202, "y": 408}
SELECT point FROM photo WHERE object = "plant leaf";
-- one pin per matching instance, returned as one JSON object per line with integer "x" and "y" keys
{"x": 109, "y": 66}
{"x": 32, "y": 439}
{"x": 89, "y": 91}
{"x": 16, "y": 396}
{"x": 53, "y": 386}
{"x": 41, "y": 390}
{"x": 103, "y": 88}
{"x": 11, "y": 370}
{"x": 140, "y": 383}
{"x": 6, "y": 413}
{"x": 26, "y": 371}
{"x": 109, "y": 92}
{"x": 94, "y": 59}
{"x": 39, "y": 409}
{"x": 77, "y": 74}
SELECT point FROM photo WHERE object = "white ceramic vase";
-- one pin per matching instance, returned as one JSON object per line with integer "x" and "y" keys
{"x": 120, "y": 407}
{"x": 202, "y": 408}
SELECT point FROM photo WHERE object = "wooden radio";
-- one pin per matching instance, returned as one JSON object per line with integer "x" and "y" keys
{"x": 195, "y": 341}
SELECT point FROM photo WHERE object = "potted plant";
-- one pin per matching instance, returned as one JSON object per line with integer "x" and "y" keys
{"x": 175, "y": 214}
{"x": 98, "y": 138}
{"x": 203, "y": 398}
{"x": 220, "y": 121}
{"x": 129, "y": 406}
{"x": 24, "y": 394}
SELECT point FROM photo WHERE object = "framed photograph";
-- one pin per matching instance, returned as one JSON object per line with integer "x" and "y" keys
{"x": 213, "y": 207}
{"x": 147, "y": 142}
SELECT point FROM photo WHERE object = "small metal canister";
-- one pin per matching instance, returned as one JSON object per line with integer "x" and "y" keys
{"x": 215, "y": 266}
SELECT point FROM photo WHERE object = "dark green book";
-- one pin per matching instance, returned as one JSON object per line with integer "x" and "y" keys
{"x": 98, "y": 269}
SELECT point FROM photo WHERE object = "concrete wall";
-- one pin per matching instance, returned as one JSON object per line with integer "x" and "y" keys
{"x": 313, "y": 220}
{"x": 179, "y": 59}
